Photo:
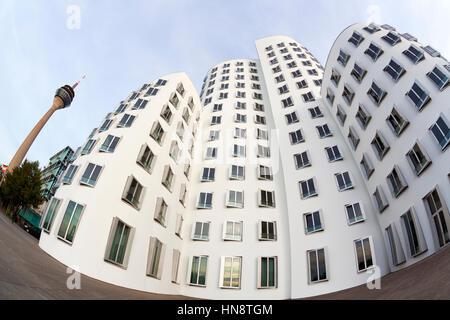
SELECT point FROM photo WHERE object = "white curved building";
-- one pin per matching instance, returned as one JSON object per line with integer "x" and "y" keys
{"x": 252, "y": 190}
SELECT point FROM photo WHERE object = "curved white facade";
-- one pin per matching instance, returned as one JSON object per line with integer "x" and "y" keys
{"x": 262, "y": 200}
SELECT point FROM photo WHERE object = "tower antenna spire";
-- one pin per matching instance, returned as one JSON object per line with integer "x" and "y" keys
{"x": 78, "y": 82}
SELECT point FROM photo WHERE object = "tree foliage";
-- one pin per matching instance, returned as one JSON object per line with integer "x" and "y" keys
{"x": 21, "y": 188}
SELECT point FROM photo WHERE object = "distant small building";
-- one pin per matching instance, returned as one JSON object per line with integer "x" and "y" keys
{"x": 51, "y": 174}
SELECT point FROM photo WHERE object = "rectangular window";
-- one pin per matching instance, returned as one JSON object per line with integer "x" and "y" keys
{"x": 317, "y": 265}
{"x": 330, "y": 96}
{"x": 343, "y": 58}
{"x": 70, "y": 221}
{"x": 121, "y": 108}
{"x": 353, "y": 138}
{"x": 376, "y": 94}
{"x": 266, "y": 199}
{"x": 237, "y": 172}
{"x": 440, "y": 130}
{"x": 414, "y": 54}
{"x": 265, "y": 173}
{"x": 296, "y": 137}
{"x": 394, "y": 69}
{"x": 175, "y": 265}
{"x": 205, "y": 200}
{"x": 214, "y": 135}
{"x": 283, "y": 89}
{"x": 335, "y": 77}
{"x": 439, "y": 77}
{"x": 418, "y": 159}
{"x": 366, "y": 166}
{"x": 167, "y": 178}
{"x": 106, "y": 124}
{"x": 155, "y": 258}
{"x": 260, "y": 119}
{"x": 140, "y": 104}
{"x": 418, "y": 95}
{"x": 302, "y": 84}
{"x": 308, "y": 97}
{"x": 340, "y": 114}
{"x": 216, "y": 120}
{"x": 302, "y": 160}
{"x": 157, "y": 132}
{"x": 344, "y": 181}
{"x": 110, "y": 144}
{"x": 296, "y": 74}
{"x": 268, "y": 272}
{"x": 231, "y": 272}
{"x": 324, "y": 131}
{"x": 235, "y": 199}
{"x": 238, "y": 151}
{"x": 363, "y": 116}
{"x": 437, "y": 210}
{"x": 380, "y": 199}
{"x": 119, "y": 243}
{"x": 208, "y": 174}
{"x": 198, "y": 271}
{"x": 307, "y": 189}
{"x": 211, "y": 153}
{"x": 333, "y": 154}
{"x": 133, "y": 192}
{"x": 315, "y": 112}
{"x": 313, "y": 222}
{"x": 240, "y": 118}
{"x": 50, "y": 215}
{"x": 91, "y": 175}
{"x": 380, "y": 146}
{"x": 262, "y": 134}
{"x": 232, "y": 231}
{"x": 348, "y": 94}
{"x": 356, "y": 38}
{"x": 372, "y": 28}
{"x": 126, "y": 121}
{"x": 179, "y": 225}
{"x": 146, "y": 158}
{"x": 201, "y": 231}
{"x": 280, "y": 78}
{"x": 412, "y": 233}
{"x": 263, "y": 152}
{"x": 363, "y": 254}
{"x": 391, "y": 38}
{"x": 397, "y": 122}
{"x": 88, "y": 146}
{"x": 374, "y": 51}
{"x": 258, "y": 107}
{"x": 396, "y": 182}
{"x": 354, "y": 213}
{"x": 390, "y": 230}
{"x": 68, "y": 177}
{"x": 174, "y": 100}
{"x": 292, "y": 117}
{"x": 358, "y": 73}
{"x": 217, "y": 107}
{"x": 267, "y": 231}
{"x": 241, "y": 105}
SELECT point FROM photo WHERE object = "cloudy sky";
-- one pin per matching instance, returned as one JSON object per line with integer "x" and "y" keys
{"x": 122, "y": 44}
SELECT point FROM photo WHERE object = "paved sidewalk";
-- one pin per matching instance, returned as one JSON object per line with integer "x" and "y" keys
{"x": 27, "y": 272}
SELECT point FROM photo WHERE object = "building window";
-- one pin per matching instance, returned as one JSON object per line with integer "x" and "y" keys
{"x": 168, "y": 176}
{"x": 110, "y": 144}
{"x": 390, "y": 231}
{"x": 183, "y": 194}
{"x": 315, "y": 112}
{"x": 214, "y": 135}
{"x": 441, "y": 132}
{"x": 317, "y": 265}
{"x": 88, "y": 146}
{"x": 437, "y": 210}
{"x": 121, "y": 108}
{"x": 133, "y": 192}
{"x": 391, "y": 38}
{"x": 358, "y": 73}
{"x": 155, "y": 258}
{"x": 262, "y": 134}
{"x": 356, "y": 39}
{"x": 279, "y": 78}
{"x": 70, "y": 221}
{"x": 418, "y": 159}
{"x": 217, "y": 107}
{"x": 263, "y": 152}
{"x": 296, "y": 74}
{"x": 205, "y": 200}
{"x": 235, "y": 199}
{"x": 344, "y": 181}
{"x": 397, "y": 122}
{"x": 318, "y": 82}
{"x": 174, "y": 100}
{"x": 374, "y": 51}
{"x": 265, "y": 173}
{"x": 231, "y": 272}
{"x": 418, "y": 95}
{"x": 372, "y": 28}
{"x": 394, "y": 69}
{"x": 343, "y": 58}
{"x": 292, "y": 117}
{"x": 140, "y": 104}
{"x": 341, "y": 115}
{"x": 238, "y": 151}
{"x": 296, "y": 137}
{"x": 412, "y": 233}
{"x": 431, "y": 51}
{"x": 380, "y": 146}
{"x": 216, "y": 120}
{"x": 267, "y": 231}
{"x": 333, "y": 154}
{"x": 396, "y": 182}
{"x": 237, "y": 172}
{"x": 198, "y": 271}
{"x": 302, "y": 84}
{"x": 157, "y": 132}
{"x": 240, "y": 118}
{"x": 179, "y": 225}
{"x": 414, "y": 54}
{"x": 324, "y": 131}
{"x": 201, "y": 231}
{"x": 376, "y": 94}
{"x": 283, "y": 89}
{"x": 258, "y": 107}
{"x": 363, "y": 249}
{"x": 287, "y": 102}
{"x": 267, "y": 272}
{"x": 363, "y": 117}
{"x": 146, "y": 158}
{"x": 50, "y": 215}
{"x": 380, "y": 199}
{"x": 70, "y": 173}
{"x": 308, "y": 97}
{"x": 354, "y": 213}
{"x": 266, "y": 199}
{"x": 241, "y": 106}
{"x": 260, "y": 119}
{"x": 232, "y": 231}
{"x": 211, "y": 153}
{"x": 119, "y": 243}
{"x": 439, "y": 77}
{"x": 186, "y": 116}
{"x": 312, "y": 72}
{"x": 208, "y": 174}
{"x": 366, "y": 166}
{"x": 353, "y": 138}
{"x": 301, "y": 160}
{"x": 313, "y": 222}
{"x": 91, "y": 175}
{"x": 106, "y": 124}
{"x": 307, "y": 189}
{"x": 126, "y": 121}
{"x": 330, "y": 96}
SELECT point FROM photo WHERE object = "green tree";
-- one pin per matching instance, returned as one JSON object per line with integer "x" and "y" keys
{"x": 21, "y": 188}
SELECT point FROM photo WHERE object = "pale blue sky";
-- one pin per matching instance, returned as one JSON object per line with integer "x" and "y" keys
{"x": 122, "y": 44}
